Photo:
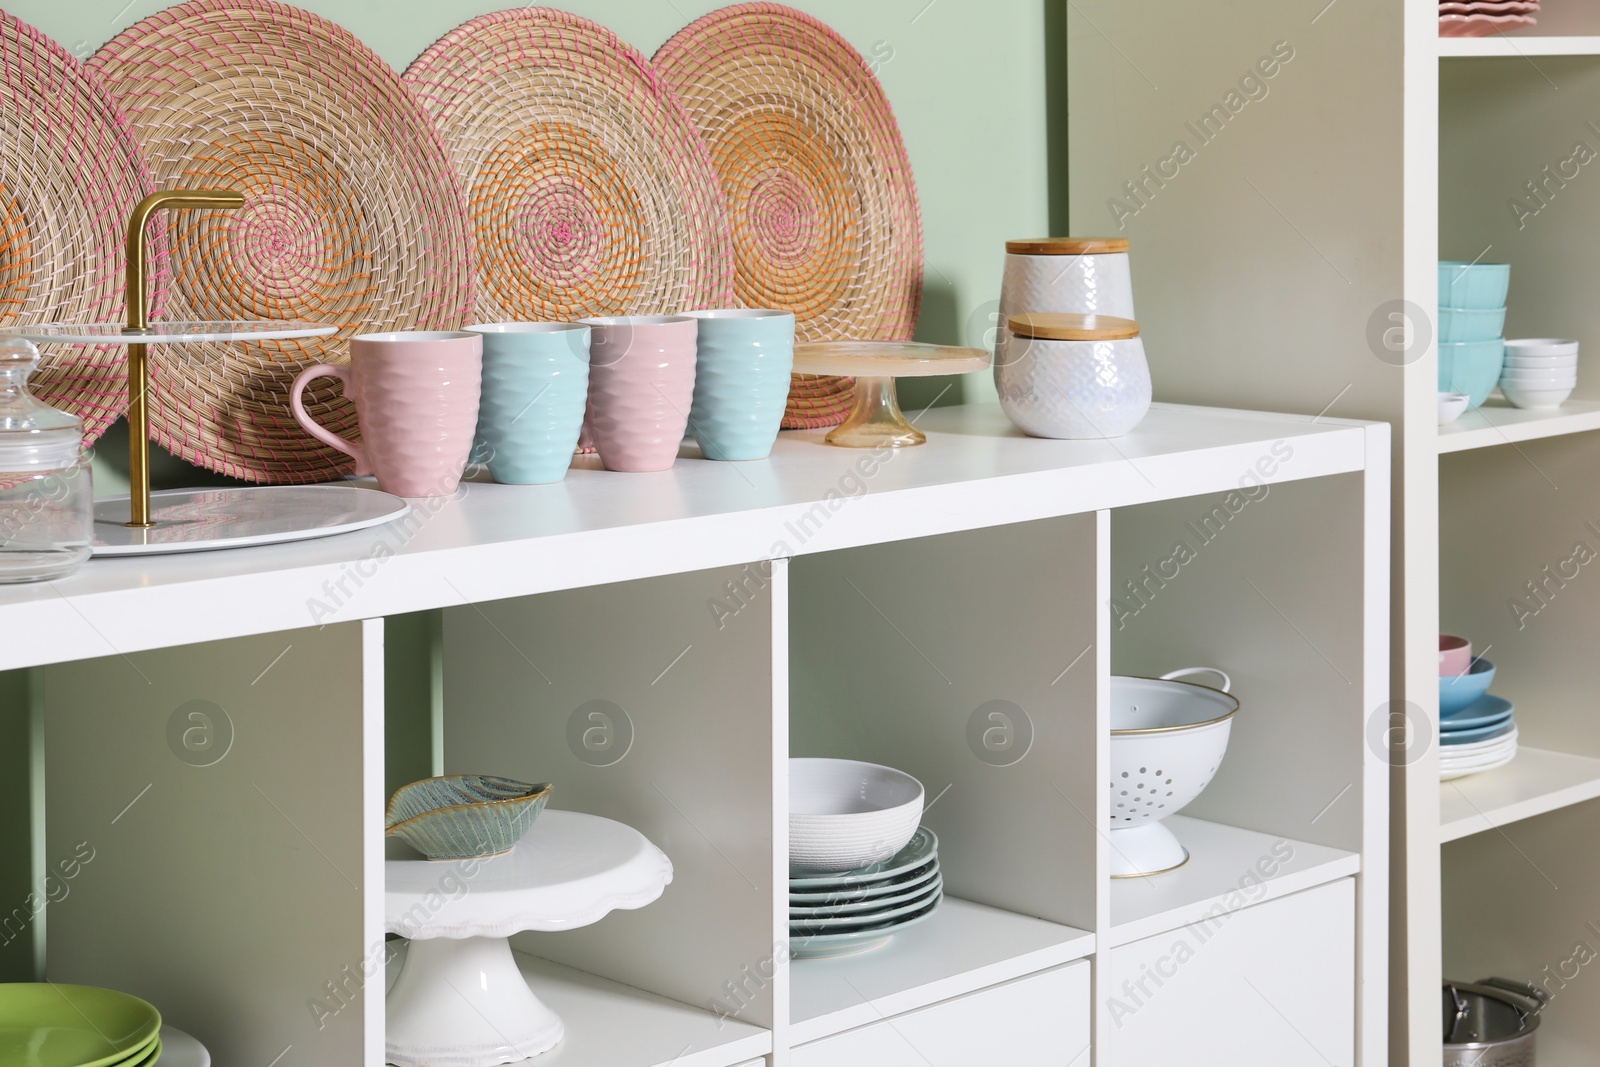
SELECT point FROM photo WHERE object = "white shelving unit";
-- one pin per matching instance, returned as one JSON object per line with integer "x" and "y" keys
{"x": 717, "y": 618}
{"x": 1289, "y": 261}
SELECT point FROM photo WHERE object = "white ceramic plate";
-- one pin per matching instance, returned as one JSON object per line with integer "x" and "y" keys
{"x": 1454, "y": 773}
{"x": 198, "y": 520}
{"x": 868, "y": 890}
{"x": 863, "y": 909}
{"x": 873, "y": 895}
{"x": 1505, "y": 735}
{"x": 822, "y": 946}
{"x": 1498, "y": 748}
{"x": 865, "y": 920}
{"x": 1479, "y": 758}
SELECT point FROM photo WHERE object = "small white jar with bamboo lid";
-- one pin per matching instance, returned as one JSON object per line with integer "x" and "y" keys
{"x": 1078, "y": 275}
{"x": 1072, "y": 376}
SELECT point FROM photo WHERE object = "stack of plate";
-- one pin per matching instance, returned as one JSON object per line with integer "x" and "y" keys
{"x": 48, "y": 1025}
{"x": 838, "y": 914}
{"x": 1480, "y": 18}
{"x": 1478, "y": 737}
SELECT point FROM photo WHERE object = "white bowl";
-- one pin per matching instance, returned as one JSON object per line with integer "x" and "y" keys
{"x": 1539, "y": 372}
{"x": 1541, "y": 361}
{"x": 845, "y": 814}
{"x": 1541, "y": 346}
{"x": 1535, "y": 399}
{"x": 1540, "y": 381}
{"x": 1451, "y": 405}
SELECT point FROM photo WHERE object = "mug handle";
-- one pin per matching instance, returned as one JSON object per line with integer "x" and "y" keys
{"x": 1227, "y": 683}
{"x": 298, "y": 407}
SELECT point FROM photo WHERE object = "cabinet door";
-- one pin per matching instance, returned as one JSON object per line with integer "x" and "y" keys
{"x": 1274, "y": 983}
{"x": 1042, "y": 1019}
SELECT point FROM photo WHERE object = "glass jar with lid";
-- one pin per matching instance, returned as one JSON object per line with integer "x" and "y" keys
{"x": 46, "y": 487}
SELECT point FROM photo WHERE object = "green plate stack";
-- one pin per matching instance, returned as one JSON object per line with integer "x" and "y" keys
{"x": 47, "y": 1025}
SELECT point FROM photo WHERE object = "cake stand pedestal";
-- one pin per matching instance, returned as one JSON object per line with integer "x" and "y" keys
{"x": 876, "y": 420}
{"x": 459, "y": 1000}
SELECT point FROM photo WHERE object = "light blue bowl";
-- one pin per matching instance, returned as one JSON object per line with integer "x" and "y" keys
{"x": 1471, "y": 324}
{"x": 1473, "y": 285}
{"x": 1471, "y": 367}
{"x": 464, "y": 816}
{"x": 535, "y": 386}
{"x": 741, "y": 381}
{"x": 1457, "y": 691}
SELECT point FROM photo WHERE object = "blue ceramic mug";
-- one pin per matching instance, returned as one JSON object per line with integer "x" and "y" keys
{"x": 741, "y": 381}
{"x": 535, "y": 386}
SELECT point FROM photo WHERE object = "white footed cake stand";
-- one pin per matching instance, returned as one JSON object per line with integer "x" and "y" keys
{"x": 460, "y": 1000}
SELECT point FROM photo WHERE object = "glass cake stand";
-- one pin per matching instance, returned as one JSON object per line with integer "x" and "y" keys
{"x": 876, "y": 420}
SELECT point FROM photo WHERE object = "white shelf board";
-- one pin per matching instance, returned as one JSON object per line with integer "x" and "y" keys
{"x": 1537, "y": 781}
{"x": 1498, "y": 423}
{"x": 596, "y": 527}
{"x": 1222, "y": 873}
{"x": 962, "y": 948}
{"x": 1515, "y": 47}
{"x": 609, "y": 1024}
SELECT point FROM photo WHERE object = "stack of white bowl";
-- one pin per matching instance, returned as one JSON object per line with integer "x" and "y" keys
{"x": 1539, "y": 372}
{"x": 860, "y": 868}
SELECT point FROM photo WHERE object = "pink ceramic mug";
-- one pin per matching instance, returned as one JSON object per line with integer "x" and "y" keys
{"x": 416, "y": 397}
{"x": 1455, "y": 655}
{"x": 641, "y": 385}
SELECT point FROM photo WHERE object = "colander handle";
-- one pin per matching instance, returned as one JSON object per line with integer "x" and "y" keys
{"x": 1184, "y": 672}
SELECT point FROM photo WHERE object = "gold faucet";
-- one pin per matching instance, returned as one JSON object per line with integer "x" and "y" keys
{"x": 138, "y": 322}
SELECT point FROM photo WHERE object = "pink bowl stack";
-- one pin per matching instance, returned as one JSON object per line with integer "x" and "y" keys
{"x": 1483, "y": 18}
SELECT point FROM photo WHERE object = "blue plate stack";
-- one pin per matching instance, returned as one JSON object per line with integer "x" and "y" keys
{"x": 1477, "y": 731}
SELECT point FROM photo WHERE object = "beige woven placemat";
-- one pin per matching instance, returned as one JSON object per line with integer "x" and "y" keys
{"x": 589, "y": 190}
{"x": 817, "y": 180}
{"x": 70, "y": 174}
{"x": 353, "y": 217}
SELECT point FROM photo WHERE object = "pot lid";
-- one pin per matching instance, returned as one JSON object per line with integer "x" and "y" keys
{"x": 1061, "y": 327}
{"x": 1067, "y": 246}
{"x": 1480, "y": 1013}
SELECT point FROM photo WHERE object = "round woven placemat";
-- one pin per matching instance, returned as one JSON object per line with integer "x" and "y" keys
{"x": 70, "y": 174}
{"x": 590, "y": 192}
{"x": 353, "y": 217}
{"x": 817, "y": 181}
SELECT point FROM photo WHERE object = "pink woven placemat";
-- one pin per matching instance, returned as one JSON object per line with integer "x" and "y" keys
{"x": 816, "y": 177}
{"x": 353, "y": 217}
{"x": 589, "y": 190}
{"x": 70, "y": 174}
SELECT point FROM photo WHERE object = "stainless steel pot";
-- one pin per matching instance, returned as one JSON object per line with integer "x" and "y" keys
{"x": 1491, "y": 1023}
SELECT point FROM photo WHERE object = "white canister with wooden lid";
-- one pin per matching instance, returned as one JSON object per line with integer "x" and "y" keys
{"x": 1075, "y": 275}
{"x": 1072, "y": 376}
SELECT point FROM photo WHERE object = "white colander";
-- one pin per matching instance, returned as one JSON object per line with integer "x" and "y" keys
{"x": 1167, "y": 741}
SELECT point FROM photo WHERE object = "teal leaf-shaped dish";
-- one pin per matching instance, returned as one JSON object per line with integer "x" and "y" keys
{"x": 464, "y": 816}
